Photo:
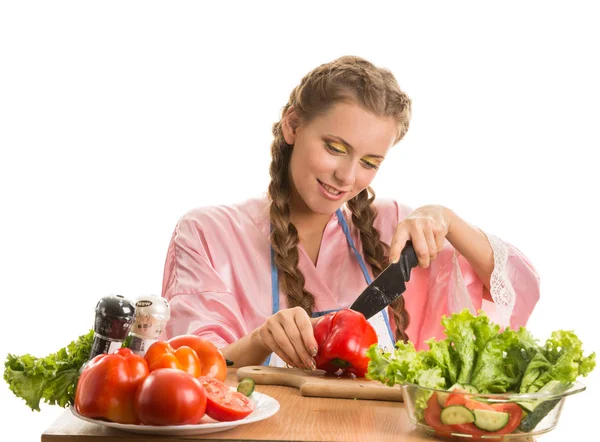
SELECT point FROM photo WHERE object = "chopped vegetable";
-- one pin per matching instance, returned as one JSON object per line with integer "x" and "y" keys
{"x": 477, "y": 355}
{"x": 475, "y": 352}
{"x": 246, "y": 386}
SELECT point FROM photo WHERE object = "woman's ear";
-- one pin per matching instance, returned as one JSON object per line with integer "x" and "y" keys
{"x": 289, "y": 125}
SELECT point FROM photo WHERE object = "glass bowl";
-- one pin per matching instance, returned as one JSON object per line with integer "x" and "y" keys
{"x": 461, "y": 413}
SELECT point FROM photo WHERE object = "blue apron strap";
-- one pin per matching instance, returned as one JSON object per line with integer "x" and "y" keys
{"x": 274, "y": 291}
{"x": 324, "y": 312}
{"x": 342, "y": 220}
{"x": 274, "y": 283}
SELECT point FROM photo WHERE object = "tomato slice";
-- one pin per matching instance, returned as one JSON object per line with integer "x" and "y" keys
{"x": 473, "y": 404}
{"x": 224, "y": 404}
{"x": 457, "y": 397}
{"x": 471, "y": 429}
{"x": 432, "y": 417}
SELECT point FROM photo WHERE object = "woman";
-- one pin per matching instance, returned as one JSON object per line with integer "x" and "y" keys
{"x": 254, "y": 277}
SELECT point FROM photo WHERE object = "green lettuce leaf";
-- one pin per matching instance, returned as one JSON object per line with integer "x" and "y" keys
{"x": 476, "y": 352}
{"x": 560, "y": 359}
{"x": 52, "y": 379}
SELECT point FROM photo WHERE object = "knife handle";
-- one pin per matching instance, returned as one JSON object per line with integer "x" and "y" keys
{"x": 408, "y": 260}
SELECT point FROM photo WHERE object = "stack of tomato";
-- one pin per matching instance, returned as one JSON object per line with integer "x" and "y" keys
{"x": 177, "y": 382}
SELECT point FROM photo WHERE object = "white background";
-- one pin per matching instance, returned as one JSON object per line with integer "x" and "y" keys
{"x": 117, "y": 117}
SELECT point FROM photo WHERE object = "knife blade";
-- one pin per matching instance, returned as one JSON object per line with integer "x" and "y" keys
{"x": 388, "y": 285}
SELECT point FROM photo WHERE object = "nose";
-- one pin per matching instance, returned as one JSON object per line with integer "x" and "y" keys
{"x": 345, "y": 173}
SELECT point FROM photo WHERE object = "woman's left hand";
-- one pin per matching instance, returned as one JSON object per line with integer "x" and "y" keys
{"x": 426, "y": 227}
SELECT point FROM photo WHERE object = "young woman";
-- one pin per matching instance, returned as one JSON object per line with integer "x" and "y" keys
{"x": 252, "y": 278}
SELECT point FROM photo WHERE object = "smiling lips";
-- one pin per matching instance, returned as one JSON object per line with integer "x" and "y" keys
{"x": 330, "y": 192}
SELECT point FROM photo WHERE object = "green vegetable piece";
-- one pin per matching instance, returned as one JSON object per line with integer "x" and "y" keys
{"x": 530, "y": 421}
{"x": 52, "y": 379}
{"x": 246, "y": 386}
{"x": 456, "y": 415}
{"x": 475, "y": 352}
{"x": 491, "y": 420}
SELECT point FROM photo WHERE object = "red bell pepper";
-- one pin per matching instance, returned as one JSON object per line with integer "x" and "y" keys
{"x": 107, "y": 386}
{"x": 343, "y": 338}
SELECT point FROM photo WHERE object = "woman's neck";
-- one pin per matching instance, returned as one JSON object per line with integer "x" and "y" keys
{"x": 307, "y": 222}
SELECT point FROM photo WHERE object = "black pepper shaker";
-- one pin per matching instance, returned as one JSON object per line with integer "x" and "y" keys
{"x": 114, "y": 317}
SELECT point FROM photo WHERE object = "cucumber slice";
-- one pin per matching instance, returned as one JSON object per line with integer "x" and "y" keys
{"x": 456, "y": 414}
{"x": 490, "y": 420}
{"x": 246, "y": 386}
{"x": 539, "y": 409}
{"x": 530, "y": 421}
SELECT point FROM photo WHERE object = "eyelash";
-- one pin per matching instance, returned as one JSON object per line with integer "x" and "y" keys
{"x": 340, "y": 152}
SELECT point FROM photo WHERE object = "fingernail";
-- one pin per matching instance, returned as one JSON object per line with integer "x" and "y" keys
{"x": 314, "y": 351}
{"x": 394, "y": 260}
{"x": 310, "y": 363}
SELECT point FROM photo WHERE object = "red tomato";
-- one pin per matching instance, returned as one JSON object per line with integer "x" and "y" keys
{"x": 463, "y": 397}
{"x": 223, "y": 404}
{"x": 457, "y": 397}
{"x": 212, "y": 361}
{"x": 108, "y": 384}
{"x": 162, "y": 355}
{"x": 169, "y": 396}
{"x": 432, "y": 417}
{"x": 471, "y": 429}
{"x": 473, "y": 404}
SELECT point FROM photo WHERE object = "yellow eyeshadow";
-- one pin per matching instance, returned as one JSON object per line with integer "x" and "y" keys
{"x": 371, "y": 161}
{"x": 338, "y": 146}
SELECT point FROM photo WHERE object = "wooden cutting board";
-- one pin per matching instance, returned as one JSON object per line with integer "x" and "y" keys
{"x": 318, "y": 384}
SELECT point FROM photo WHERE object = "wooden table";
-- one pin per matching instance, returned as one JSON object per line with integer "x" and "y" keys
{"x": 298, "y": 419}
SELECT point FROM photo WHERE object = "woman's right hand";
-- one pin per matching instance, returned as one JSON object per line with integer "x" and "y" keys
{"x": 289, "y": 334}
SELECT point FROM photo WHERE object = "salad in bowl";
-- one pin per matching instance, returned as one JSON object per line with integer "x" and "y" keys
{"x": 483, "y": 383}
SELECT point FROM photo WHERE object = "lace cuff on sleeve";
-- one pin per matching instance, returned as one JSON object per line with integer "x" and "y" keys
{"x": 501, "y": 289}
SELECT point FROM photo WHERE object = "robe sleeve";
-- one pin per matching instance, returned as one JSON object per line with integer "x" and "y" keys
{"x": 201, "y": 303}
{"x": 450, "y": 284}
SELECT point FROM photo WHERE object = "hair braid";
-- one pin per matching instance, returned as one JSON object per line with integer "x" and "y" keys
{"x": 284, "y": 236}
{"x": 376, "y": 252}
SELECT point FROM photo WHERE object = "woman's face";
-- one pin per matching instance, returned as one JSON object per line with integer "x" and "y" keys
{"x": 336, "y": 156}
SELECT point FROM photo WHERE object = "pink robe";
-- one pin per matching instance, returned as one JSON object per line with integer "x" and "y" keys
{"x": 217, "y": 276}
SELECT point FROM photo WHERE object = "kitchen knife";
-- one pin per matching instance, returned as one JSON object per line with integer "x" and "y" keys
{"x": 390, "y": 284}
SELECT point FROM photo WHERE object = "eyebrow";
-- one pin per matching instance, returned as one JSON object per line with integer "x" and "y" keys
{"x": 341, "y": 140}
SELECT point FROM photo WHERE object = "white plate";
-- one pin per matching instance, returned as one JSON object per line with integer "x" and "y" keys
{"x": 266, "y": 407}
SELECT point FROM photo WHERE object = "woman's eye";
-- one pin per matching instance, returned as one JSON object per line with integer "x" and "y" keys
{"x": 334, "y": 149}
{"x": 370, "y": 165}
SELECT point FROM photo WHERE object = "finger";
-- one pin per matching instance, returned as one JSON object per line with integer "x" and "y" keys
{"x": 431, "y": 244}
{"x": 439, "y": 240}
{"x": 401, "y": 236}
{"x": 307, "y": 332}
{"x": 283, "y": 342}
{"x": 269, "y": 341}
{"x": 292, "y": 330}
{"x": 419, "y": 243}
